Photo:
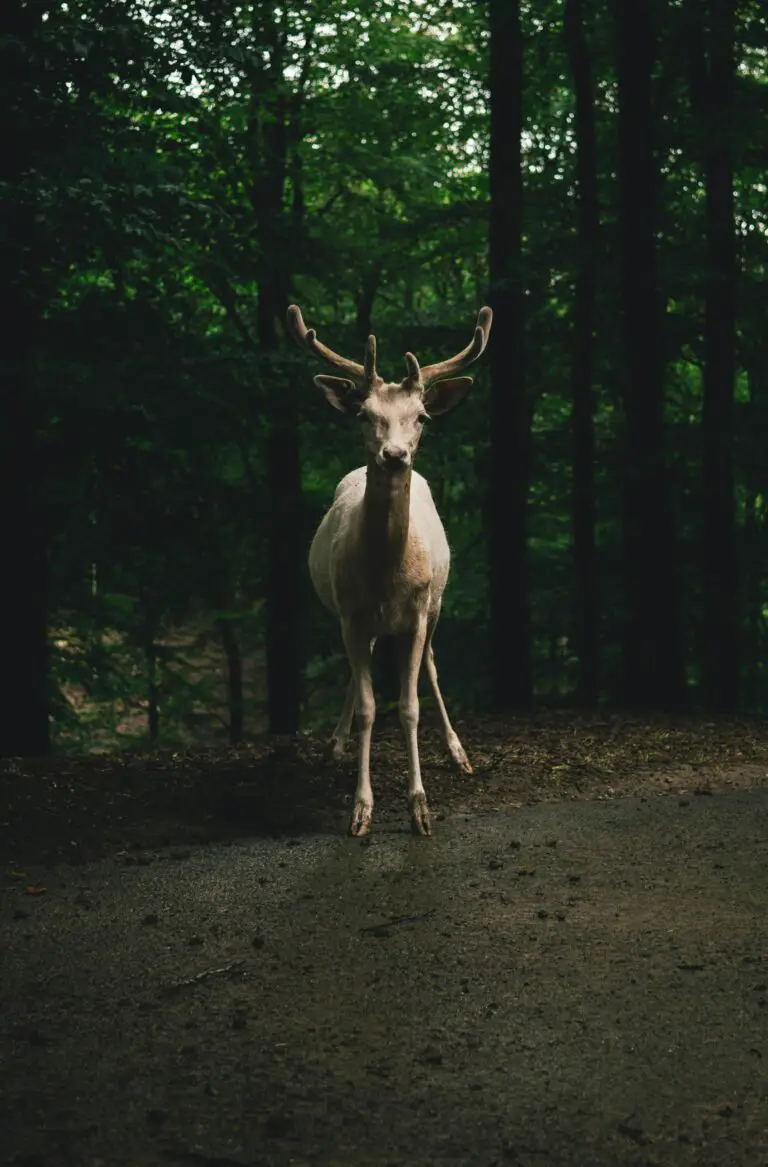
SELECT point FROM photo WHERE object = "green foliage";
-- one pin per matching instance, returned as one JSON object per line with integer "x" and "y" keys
{"x": 132, "y": 225}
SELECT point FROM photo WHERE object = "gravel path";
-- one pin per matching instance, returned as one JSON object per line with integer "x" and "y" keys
{"x": 566, "y": 983}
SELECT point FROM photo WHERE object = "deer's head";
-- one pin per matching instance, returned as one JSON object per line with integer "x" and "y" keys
{"x": 392, "y": 413}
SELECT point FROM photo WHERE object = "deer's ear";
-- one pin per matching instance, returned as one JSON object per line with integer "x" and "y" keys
{"x": 445, "y": 395}
{"x": 342, "y": 394}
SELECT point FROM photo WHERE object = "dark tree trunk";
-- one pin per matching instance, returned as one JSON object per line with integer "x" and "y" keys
{"x": 284, "y": 590}
{"x": 153, "y": 708}
{"x": 234, "y": 679}
{"x": 755, "y": 529}
{"x": 653, "y": 667}
{"x": 365, "y": 300}
{"x": 714, "y": 103}
{"x": 510, "y": 646}
{"x": 24, "y": 706}
{"x": 271, "y": 135}
{"x": 582, "y": 368}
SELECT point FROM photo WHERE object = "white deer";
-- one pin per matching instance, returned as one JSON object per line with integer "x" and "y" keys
{"x": 380, "y": 558}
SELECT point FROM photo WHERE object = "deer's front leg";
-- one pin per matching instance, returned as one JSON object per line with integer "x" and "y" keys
{"x": 358, "y": 648}
{"x": 411, "y": 653}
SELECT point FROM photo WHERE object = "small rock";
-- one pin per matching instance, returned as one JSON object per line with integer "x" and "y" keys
{"x": 515, "y": 844}
{"x": 559, "y": 915}
{"x": 195, "y": 941}
{"x": 574, "y": 878}
{"x": 543, "y": 914}
{"x": 495, "y": 864}
{"x": 150, "y": 918}
{"x": 258, "y": 942}
{"x": 551, "y": 842}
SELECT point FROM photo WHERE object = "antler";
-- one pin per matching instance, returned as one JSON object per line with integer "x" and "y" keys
{"x": 455, "y": 364}
{"x": 307, "y": 337}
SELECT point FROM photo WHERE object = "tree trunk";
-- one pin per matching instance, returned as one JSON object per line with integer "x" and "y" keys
{"x": 755, "y": 573}
{"x": 722, "y": 599}
{"x": 510, "y": 647}
{"x": 234, "y": 679}
{"x": 582, "y": 367}
{"x": 284, "y": 590}
{"x": 24, "y": 706}
{"x": 271, "y": 136}
{"x": 153, "y": 710}
{"x": 653, "y": 668}
{"x": 366, "y": 296}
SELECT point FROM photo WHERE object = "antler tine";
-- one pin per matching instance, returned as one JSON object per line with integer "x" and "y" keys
{"x": 414, "y": 372}
{"x": 466, "y": 357}
{"x": 307, "y": 337}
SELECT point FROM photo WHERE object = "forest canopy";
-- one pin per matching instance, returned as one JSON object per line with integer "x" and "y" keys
{"x": 175, "y": 173}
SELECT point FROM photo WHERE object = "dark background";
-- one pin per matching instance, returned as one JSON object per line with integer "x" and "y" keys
{"x": 173, "y": 174}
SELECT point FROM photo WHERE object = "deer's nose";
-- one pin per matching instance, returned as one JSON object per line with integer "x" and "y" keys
{"x": 395, "y": 456}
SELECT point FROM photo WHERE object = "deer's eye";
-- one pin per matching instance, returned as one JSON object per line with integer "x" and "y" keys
{"x": 421, "y": 418}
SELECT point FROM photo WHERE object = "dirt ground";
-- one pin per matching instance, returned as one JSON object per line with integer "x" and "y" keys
{"x": 198, "y": 967}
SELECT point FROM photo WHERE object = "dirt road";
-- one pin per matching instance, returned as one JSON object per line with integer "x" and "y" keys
{"x": 566, "y": 983}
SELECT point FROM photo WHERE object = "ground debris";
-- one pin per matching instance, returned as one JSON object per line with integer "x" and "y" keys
{"x": 391, "y": 921}
{"x": 203, "y": 975}
{"x": 79, "y": 808}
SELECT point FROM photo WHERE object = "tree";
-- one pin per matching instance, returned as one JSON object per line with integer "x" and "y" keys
{"x": 24, "y": 726}
{"x": 712, "y": 80}
{"x": 582, "y": 367}
{"x": 653, "y": 674}
{"x": 510, "y": 657}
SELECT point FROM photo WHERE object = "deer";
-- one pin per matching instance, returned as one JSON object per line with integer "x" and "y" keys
{"x": 379, "y": 560}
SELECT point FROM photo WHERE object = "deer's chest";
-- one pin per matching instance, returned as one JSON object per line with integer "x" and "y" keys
{"x": 383, "y": 591}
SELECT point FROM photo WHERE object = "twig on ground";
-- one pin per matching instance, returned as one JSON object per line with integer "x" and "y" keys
{"x": 203, "y": 975}
{"x": 391, "y": 920}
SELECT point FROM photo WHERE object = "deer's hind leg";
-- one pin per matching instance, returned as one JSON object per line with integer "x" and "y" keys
{"x": 337, "y": 746}
{"x": 452, "y": 739}
{"x": 338, "y": 743}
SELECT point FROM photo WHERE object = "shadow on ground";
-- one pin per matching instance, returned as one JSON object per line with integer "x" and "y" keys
{"x": 575, "y": 983}
{"x": 81, "y": 808}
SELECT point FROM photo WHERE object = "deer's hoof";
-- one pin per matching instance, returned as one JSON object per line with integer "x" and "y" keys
{"x": 336, "y": 749}
{"x": 459, "y": 756}
{"x": 421, "y": 822}
{"x": 362, "y": 821}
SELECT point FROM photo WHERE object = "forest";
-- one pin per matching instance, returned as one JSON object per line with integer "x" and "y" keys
{"x": 175, "y": 173}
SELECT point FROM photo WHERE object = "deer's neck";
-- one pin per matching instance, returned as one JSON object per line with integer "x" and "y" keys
{"x": 386, "y": 512}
